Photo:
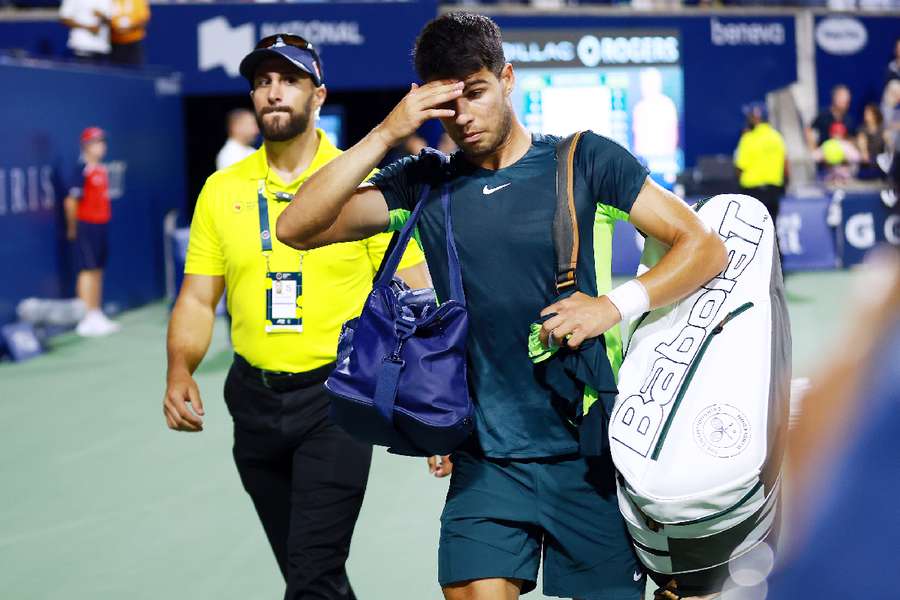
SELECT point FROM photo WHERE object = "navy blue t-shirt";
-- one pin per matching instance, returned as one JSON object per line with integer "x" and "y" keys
{"x": 502, "y": 222}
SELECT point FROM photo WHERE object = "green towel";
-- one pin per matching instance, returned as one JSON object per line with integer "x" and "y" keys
{"x": 582, "y": 377}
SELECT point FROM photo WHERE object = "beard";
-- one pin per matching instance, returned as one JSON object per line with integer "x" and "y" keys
{"x": 487, "y": 147}
{"x": 297, "y": 123}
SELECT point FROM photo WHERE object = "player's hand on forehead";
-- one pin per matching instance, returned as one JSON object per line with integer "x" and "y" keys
{"x": 428, "y": 101}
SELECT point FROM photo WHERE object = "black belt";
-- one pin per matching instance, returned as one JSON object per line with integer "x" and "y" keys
{"x": 282, "y": 381}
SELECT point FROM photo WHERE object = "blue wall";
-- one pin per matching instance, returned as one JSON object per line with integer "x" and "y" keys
{"x": 363, "y": 45}
{"x": 42, "y": 122}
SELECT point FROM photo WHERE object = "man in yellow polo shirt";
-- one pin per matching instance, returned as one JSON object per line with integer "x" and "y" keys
{"x": 761, "y": 160}
{"x": 306, "y": 477}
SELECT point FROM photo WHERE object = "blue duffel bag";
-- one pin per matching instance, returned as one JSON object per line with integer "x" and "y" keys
{"x": 400, "y": 379}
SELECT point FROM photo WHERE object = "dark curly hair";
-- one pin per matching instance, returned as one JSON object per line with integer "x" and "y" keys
{"x": 457, "y": 44}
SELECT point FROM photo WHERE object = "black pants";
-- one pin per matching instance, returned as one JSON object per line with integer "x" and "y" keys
{"x": 131, "y": 55}
{"x": 306, "y": 477}
{"x": 770, "y": 196}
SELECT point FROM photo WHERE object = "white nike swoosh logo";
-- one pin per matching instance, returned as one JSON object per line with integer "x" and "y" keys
{"x": 637, "y": 575}
{"x": 488, "y": 191}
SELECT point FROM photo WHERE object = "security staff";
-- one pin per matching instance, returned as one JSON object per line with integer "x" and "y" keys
{"x": 306, "y": 476}
{"x": 761, "y": 161}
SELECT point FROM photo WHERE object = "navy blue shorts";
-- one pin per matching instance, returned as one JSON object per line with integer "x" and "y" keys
{"x": 502, "y": 516}
{"x": 91, "y": 246}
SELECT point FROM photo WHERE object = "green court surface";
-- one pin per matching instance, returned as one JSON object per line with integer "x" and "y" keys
{"x": 101, "y": 501}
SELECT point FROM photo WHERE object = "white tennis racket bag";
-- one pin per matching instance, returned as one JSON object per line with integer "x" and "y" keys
{"x": 698, "y": 429}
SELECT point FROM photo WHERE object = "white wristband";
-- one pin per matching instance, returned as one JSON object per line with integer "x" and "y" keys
{"x": 630, "y": 299}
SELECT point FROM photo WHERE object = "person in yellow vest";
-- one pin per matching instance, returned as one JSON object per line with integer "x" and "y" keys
{"x": 305, "y": 475}
{"x": 129, "y": 28}
{"x": 761, "y": 160}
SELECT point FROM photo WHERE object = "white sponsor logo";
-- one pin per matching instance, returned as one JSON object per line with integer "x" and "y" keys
{"x": 221, "y": 45}
{"x": 892, "y": 230}
{"x": 488, "y": 191}
{"x": 746, "y": 34}
{"x": 524, "y": 52}
{"x": 591, "y": 50}
{"x": 344, "y": 33}
{"x": 26, "y": 189}
{"x": 860, "y": 230}
{"x": 637, "y": 575}
{"x": 722, "y": 430}
{"x": 841, "y": 35}
{"x": 789, "y": 228}
{"x": 640, "y": 417}
{"x": 621, "y": 50}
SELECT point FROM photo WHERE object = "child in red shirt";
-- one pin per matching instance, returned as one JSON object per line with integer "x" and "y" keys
{"x": 87, "y": 217}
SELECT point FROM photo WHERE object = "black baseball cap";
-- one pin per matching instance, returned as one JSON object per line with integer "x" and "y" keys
{"x": 294, "y": 48}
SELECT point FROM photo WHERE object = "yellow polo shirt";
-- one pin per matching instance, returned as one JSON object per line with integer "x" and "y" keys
{"x": 225, "y": 240}
{"x": 760, "y": 157}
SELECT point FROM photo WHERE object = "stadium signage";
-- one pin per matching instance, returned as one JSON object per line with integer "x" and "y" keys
{"x": 841, "y": 35}
{"x": 536, "y": 48}
{"x": 746, "y": 33}
{"x": 26, "y": 189}
{"x": 643, "y": 414}
{"x": 860, "y": 230}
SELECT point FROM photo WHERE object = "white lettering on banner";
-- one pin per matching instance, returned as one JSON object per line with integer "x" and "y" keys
{"x": 17, "y": 203}
{"x": 48, "y": 192}
{"x": 746, "y": 34}
{"x": 841, "y": 35}
{"x": 621, "y": 50}
{"x": 591, "y": 50}
{"x": 30, "y": 189}
{"x": 521, "y": 52}
{"x": 332, "y": 33}
{"x": 221, "y": 45}
{"x": 34, "y": 203}
{"x": 789, "y": 226}
{"x": 859, "y": 231}
{"x": 892, "y": 230}
{"x": 643, "y": 414}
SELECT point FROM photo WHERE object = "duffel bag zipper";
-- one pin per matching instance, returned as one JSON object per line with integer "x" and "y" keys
{"x": 690, "y": 375}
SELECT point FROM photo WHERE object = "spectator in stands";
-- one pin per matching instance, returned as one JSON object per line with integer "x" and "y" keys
{"x": 129, "y": 28}
{"x": 870, "y": 139}
{"x": 838, "y": 155}
{"x": 242, "y": 132}
{"x": 893, "y": 68}
{"x": 88, "y": 23}
{"x": 838, "y": 112}
{"x": 88, "y": 213}
{"x": 761, "y": 160}
{"x": 890, "y": 109}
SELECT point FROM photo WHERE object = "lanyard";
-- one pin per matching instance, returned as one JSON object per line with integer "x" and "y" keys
{"x": 265, "y": 230}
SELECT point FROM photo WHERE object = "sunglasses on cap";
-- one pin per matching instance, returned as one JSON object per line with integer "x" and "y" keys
{"x": 297, "y": 50}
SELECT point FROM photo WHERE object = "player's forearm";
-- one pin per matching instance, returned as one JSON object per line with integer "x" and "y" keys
{"x": 70, "y": 208}
{"x": 693, "y": 259}
{"x": 416, "y": 276}
{"x": 189, "y": 335}
{"x": 318, "y": 203}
